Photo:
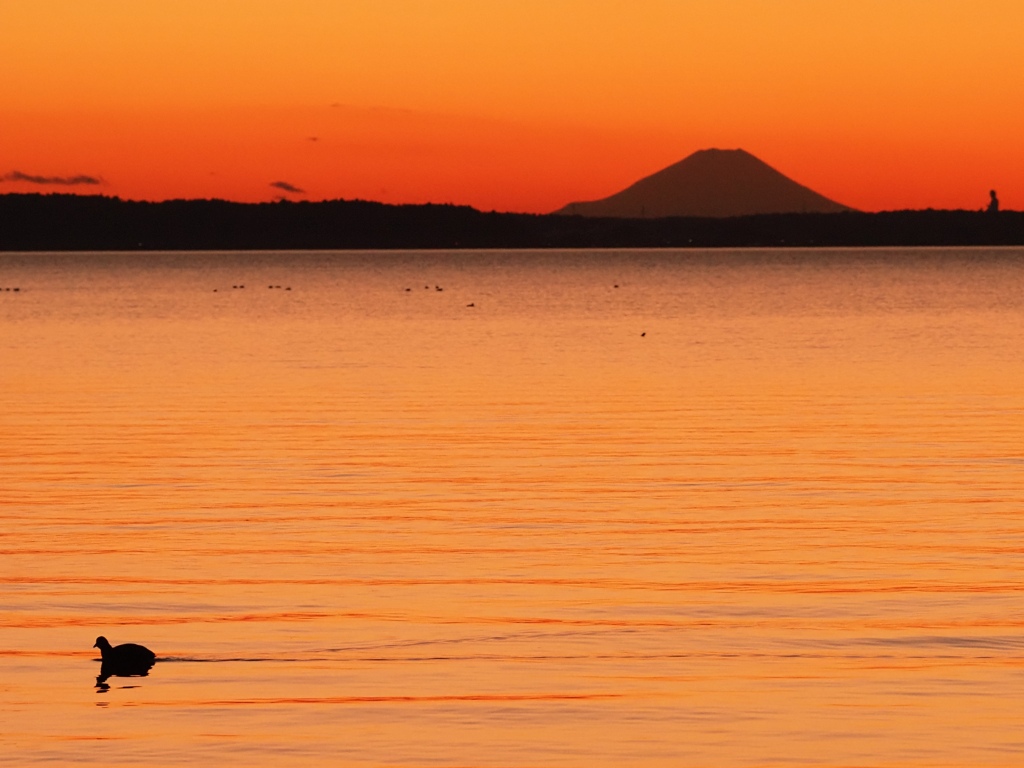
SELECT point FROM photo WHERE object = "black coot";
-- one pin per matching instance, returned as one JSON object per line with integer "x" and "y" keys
{"x": 124, "y": 660}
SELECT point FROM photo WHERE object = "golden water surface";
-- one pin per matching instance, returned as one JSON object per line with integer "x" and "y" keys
{"x": 653, "y": 508}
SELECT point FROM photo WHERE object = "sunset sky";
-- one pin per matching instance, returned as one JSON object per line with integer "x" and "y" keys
{"x": 519, "y": 105}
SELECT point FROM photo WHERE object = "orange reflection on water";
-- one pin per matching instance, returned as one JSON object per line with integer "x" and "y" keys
{"x": 365, "y": 525}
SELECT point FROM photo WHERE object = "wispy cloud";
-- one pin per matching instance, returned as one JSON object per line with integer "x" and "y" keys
{"x": 284, "y": 185}
{"x": 62, "y": 181}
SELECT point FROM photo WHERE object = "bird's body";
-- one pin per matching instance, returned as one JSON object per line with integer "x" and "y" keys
{"x": 124, "y": 660}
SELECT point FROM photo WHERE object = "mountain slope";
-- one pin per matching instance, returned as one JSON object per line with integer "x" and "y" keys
{"x": 713, "y": 183}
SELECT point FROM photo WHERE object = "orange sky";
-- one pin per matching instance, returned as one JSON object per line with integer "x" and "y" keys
{"x": 510, "y": 104}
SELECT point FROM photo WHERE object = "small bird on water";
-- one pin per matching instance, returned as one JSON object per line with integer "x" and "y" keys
{"x": 124, "y": 660}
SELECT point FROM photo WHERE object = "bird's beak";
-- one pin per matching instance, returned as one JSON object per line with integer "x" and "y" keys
{"x": 94, "y": 645}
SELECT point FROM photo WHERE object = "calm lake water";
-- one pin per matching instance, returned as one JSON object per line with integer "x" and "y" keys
{"x": 607, "y": 508}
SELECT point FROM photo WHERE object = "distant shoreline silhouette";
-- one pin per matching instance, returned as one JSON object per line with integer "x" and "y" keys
{"x": 63, "y": 222}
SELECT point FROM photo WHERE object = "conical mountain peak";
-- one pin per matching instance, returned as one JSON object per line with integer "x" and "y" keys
{"x": 710, "y": 183}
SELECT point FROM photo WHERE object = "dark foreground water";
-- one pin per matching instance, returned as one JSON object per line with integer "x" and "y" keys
{"x": 540, "y": 509}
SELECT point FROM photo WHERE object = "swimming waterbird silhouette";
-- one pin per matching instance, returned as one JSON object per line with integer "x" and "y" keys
{"x": 126, "y": 660}
{"x": 993, "y": 203}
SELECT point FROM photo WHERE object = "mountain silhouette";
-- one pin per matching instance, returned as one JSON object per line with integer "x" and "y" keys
{"x": 713, "y": 183}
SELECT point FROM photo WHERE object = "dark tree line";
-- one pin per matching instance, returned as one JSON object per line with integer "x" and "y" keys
{"x": 73, "y": 222}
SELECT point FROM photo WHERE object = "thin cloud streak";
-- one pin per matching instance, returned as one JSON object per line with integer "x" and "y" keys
{"x": 284, "y": 185}
{"x": 62, "y": 181}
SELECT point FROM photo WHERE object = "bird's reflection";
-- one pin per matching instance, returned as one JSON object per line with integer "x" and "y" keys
{"x": 109, "y": 670}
